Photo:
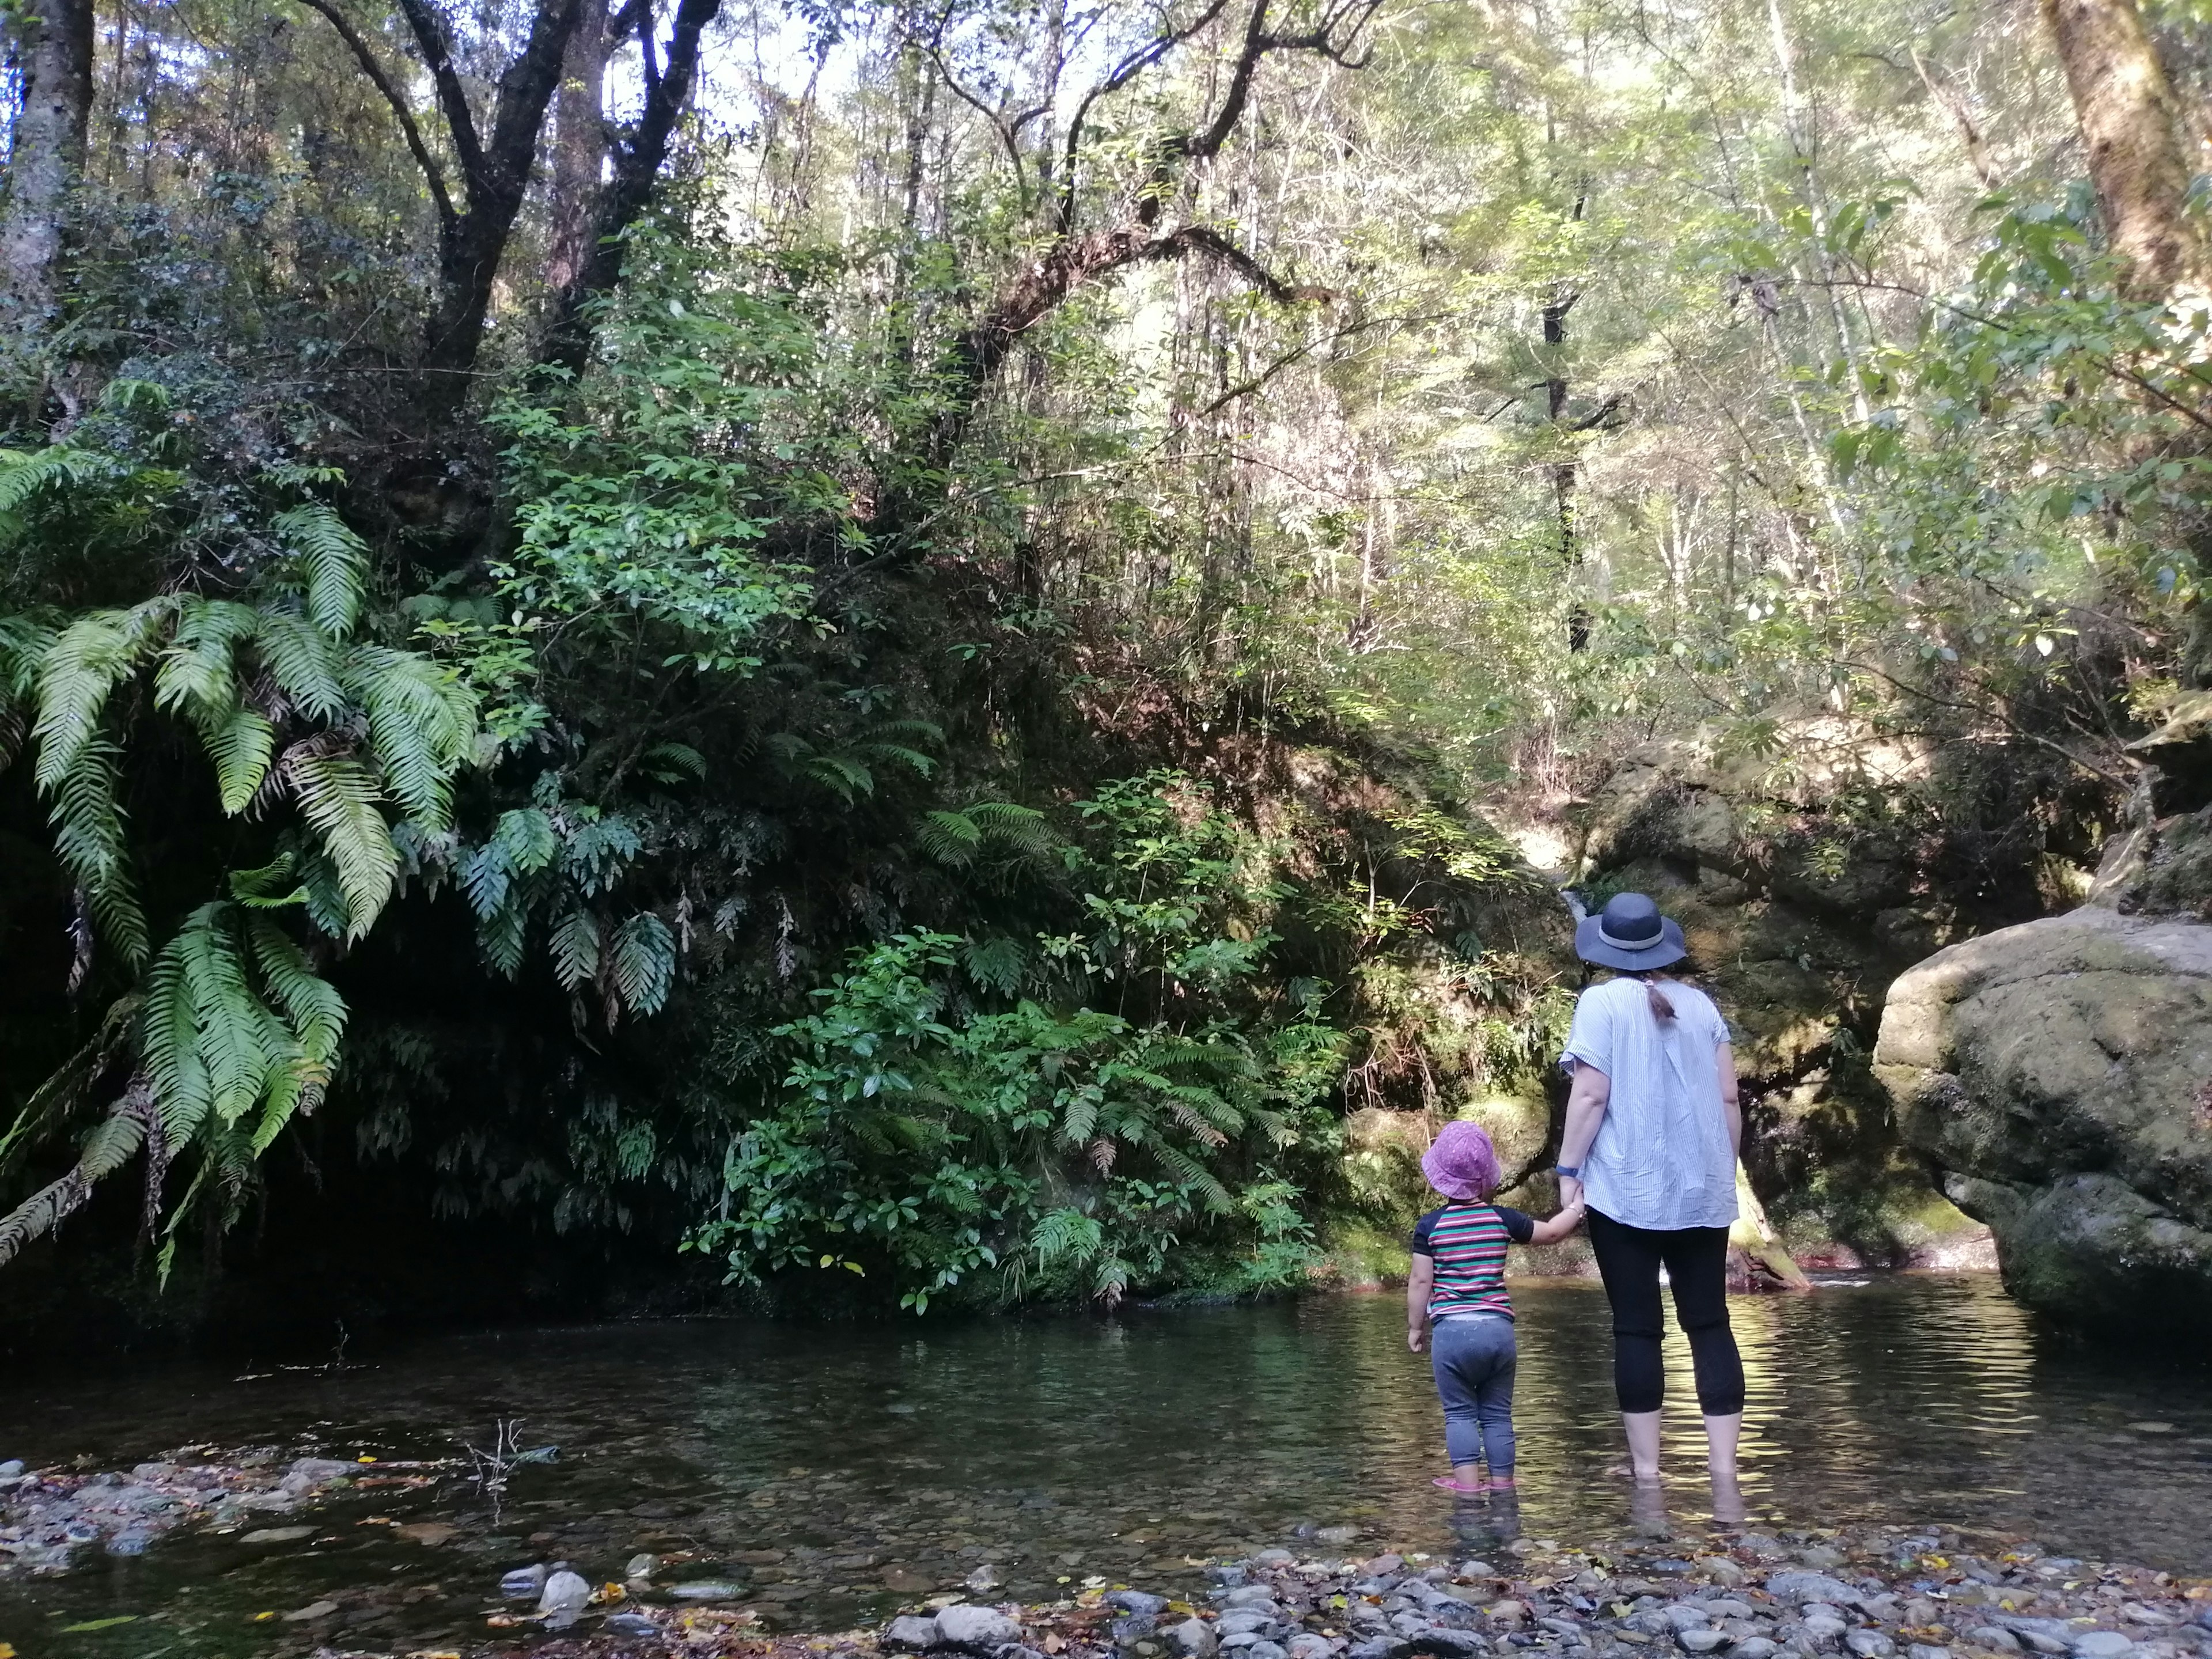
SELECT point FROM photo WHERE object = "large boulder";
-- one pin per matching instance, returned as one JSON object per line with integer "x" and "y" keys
{"x": 2060, "y": 1073}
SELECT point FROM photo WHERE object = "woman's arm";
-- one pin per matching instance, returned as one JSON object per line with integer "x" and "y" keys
{"x": 1731, "y": 1108}
{"x": 1586, "y": 1103}
{"x": 1418, "y": 1282}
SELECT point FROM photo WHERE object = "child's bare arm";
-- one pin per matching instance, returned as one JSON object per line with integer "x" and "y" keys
{"x": 1418, "y": 1282}
{"x": 1559, "y": 1227}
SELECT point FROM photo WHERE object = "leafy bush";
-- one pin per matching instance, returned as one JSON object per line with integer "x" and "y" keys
{"x": 940, "y": 1129}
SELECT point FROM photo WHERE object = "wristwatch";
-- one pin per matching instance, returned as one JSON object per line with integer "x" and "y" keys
{"x": 1568, "y": 1171}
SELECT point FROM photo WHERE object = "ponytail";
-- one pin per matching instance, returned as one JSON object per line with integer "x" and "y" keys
{"x": 1662, "y": 1009}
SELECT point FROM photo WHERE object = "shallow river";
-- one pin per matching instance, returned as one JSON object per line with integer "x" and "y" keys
{"x": 834, "y": 1473}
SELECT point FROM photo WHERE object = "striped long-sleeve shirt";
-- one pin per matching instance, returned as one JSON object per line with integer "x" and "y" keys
{"x": 1467, "y": 1243}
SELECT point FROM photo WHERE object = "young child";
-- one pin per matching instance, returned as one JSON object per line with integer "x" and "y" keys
{"x": 1458, "y": 1287}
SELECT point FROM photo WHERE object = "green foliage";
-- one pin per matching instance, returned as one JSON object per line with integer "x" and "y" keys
{"x": 930, "y": 1134}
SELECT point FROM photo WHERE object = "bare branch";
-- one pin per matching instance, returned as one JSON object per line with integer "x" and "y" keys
{"x": 367, "y": 58}
{"x": 1008, "y": 136}
{"x": 1123, "y": 73}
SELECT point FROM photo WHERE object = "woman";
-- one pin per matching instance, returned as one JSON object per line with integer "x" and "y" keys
{"x": 1650, "y": 1145}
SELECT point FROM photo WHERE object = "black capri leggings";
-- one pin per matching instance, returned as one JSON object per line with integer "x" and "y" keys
{"x": 1696, "y": 1259}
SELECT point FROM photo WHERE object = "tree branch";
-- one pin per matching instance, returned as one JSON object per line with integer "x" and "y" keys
{"x": 437, "y": 48}
{"x": 367, "y": 58}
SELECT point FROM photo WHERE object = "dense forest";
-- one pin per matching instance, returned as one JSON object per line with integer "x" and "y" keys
{"x": 899, "y": 654}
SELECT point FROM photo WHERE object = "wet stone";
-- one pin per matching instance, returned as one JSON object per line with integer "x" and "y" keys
{"x": 1701, "y": 1640}
{"x": 911, "y": 1632}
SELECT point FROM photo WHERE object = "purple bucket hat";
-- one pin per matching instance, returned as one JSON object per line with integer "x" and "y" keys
{"x": 1461, "y": 1163}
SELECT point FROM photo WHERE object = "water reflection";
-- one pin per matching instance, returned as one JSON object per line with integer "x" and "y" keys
{"x": 834, "y": 1473}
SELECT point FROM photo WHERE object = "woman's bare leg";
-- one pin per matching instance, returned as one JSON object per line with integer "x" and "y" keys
{"x": 1643, "y": 1444}
{"x": 1721, "y": 1435}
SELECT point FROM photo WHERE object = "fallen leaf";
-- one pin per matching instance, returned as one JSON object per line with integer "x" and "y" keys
{"x": 101, "y": 1624}
{"x": 432, "y": 1533}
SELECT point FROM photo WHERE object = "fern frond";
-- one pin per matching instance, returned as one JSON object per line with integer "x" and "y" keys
{"x": 575, "y": 946}
{"x": 528, "y": 837}
{"x": 669, "y": 762}
{"x": 106, "y": 1150}
{"x": 644, "y": 961}
{"x": 86, "y": 662}
{"x": 197, "y": 672}
{"x": 1079, "y": 1117}
{"x": 421, "y": 723}
{"x": 25, "y": 473}
{"x": 338, "y": 798}
{"x": 304, "y": 661}
{"x": 333, "y": 561}
{"x": 1192, "y": 1173}
{"x": 240, "y": 745}
{"x": 87, "y": 822}
{"x": 842, "y": 772}
{"x": 311, "y": 1004}
{"x": 952, "y": 838}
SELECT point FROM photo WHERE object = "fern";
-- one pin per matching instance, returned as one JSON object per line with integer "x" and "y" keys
{"x": 421, "y": 722}
{"x": 670, "y": 762}
{"x": 338, "y": 798}
{"x": 575, "y": 946}
{"x": 88, "y": 823}
{"x": 305, "y": 662}
{"x": 334, "y": 561}
{"x": 644, "y": 961}
{"x": 79, "y": 670}
{"x": 952, "y": 838}
{"x": 24, "y": 474}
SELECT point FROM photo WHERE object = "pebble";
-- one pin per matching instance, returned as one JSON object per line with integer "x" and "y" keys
{"x": 2102, "y": 1644}
{"x": 282, "y": 1536}
{"x": 1193, "y": 1639}
{"x": 631, "y": 1624}
{"x": 1701, "y": 1641}
{"x": 1130, "y": 1601}
{"x": 1870, "y": 1644}
{"x": 641, "y": 1566}
{"x": 964, "y": 1624}
{"x": 911, "y": 1631}
{"x": 565, "y": 1597}
{"x": 1798, "y": 1587}
{"x": 1754, "y": 1647}
{"x": 1309, "y": 1644}
{"x": 12, "y": 1469}
{"x": 1993, "y": 1636}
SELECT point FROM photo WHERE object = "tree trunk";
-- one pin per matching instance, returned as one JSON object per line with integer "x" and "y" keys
{"x": 2132, "y": 129}
{"x": 50, "y": 41}
{"x": 580, "y": 151}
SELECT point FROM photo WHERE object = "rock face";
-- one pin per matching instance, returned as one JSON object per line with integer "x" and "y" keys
{"x": 1802, "y": 890}
{"x": 2060, "y": 1072}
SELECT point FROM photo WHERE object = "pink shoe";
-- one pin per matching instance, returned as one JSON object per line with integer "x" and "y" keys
{"x": 1451, "y": 1483}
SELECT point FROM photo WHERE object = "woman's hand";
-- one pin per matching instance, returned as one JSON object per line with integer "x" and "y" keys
{"x": 1417, "y": 1338}
{"x": 1571, "y": 1193}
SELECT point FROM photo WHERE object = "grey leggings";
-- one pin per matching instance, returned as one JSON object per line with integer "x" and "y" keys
{"x": 1473, "y": 1359}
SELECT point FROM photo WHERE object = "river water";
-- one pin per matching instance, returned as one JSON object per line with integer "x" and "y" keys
{"x": 834, "y": 1473}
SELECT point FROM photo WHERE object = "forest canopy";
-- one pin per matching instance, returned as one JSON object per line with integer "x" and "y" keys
{"x": 906, "y": 644}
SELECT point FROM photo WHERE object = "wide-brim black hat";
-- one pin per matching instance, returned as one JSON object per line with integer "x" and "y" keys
{"x": 1629, "y": 932}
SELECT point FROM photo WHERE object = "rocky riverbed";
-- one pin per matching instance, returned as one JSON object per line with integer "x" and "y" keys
{"x": 1874, "y": 1593}
{"x": 50, "y": 1517}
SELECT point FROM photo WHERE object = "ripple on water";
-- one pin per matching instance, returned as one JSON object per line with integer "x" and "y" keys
{"x": 834, "y": 1474}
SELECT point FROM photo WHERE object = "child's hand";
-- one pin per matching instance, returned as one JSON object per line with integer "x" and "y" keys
{"x": 1417, "y": 1338}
